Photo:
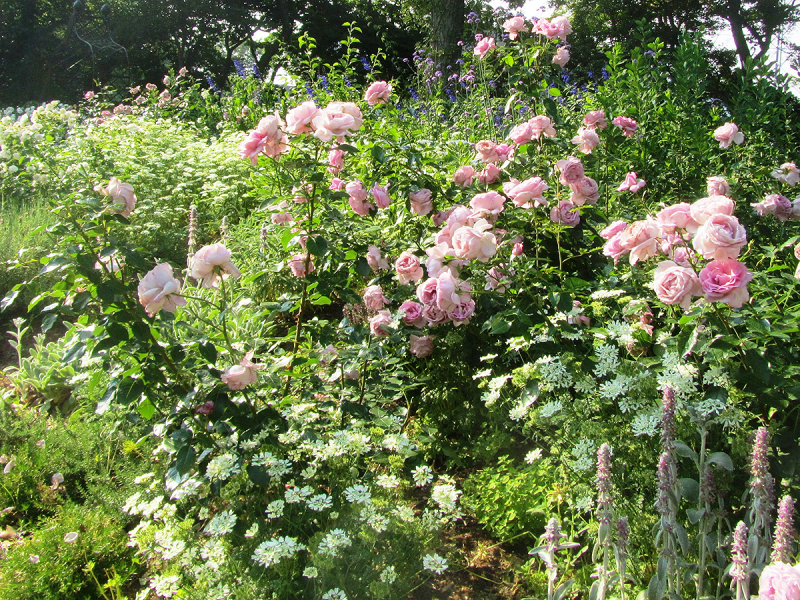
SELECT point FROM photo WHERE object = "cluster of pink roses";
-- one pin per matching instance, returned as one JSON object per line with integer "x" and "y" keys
{"x": 715, "y": 234}
{"x": 335, "y": 121}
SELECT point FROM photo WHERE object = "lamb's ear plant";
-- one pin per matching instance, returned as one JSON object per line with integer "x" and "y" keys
{"x": 551, "y": 543}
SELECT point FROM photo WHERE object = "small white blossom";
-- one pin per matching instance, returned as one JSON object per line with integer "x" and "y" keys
{"x": 358, "y": 493}
{"x": 387, "y": 481}
{"x": 222, "y": 523}
{"x": 388, "y": 575}
{"x": 422, "y": 475}
{"x": 320, "y": 502}
{"x": 334, "y": 594}
{"x": 532, "y": 456}
{"x": 435, "y": 563}
{"x": 273, "y": 551}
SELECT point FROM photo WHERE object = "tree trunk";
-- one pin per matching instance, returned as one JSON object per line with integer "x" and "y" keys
{"x": 734, "y": 17}
{"x": 447, "y": 27}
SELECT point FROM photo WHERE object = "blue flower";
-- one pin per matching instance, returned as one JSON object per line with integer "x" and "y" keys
{"x": 239, "y": 67}
{"x": 365, "y": 64}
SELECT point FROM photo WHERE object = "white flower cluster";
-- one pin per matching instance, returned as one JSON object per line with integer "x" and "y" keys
{"x": 222, "y": 523}
{"x": 334, "y": 540}
{"x": 435, "y": 563}
{"x": 271, "y": 552}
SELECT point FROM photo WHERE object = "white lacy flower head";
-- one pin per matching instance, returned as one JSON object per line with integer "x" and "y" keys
{"x": 320, "y": 502}
{"x": 422, "y": 475}
{"x": 584, "y": 455}
{"x": 387, "y": 481}
{"x": 334, "y": 594}
{"x": 358, "y": 493}
{"x": 388, "y": 575}
{"x": 273, "y": 551}
{"x": 334, "y": 540}
{"x": 534, "y": 455}
{"x": 275, "y": 509}
{"x": 550, "y": 408}
{"x": 435, "y": 563}
{"x": 446, "y": 496}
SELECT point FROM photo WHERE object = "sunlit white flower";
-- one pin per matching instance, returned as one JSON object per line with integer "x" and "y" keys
{"x": 435, "y": 563}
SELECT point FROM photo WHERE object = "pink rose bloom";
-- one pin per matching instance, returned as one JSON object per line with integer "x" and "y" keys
{"x": 440, "y": 217}
{"x": 482, "y": 47}
{"x": 449, "y": 291}
{"x": 379, "y": 324}
{"x": 302, "y": 193}
{"x": 677, "y": 216}
{"x": 335, "y": 160}
{"x": 252, "y": 146}
{"x": 426, "y": 291}
{"x": 561, "y": 57}
{"x": 565, "y": 213}
{"x": 282, "y": 218}
{"x": 631, "y": 183}
{"x": 487, "y": 151}
{"x": 356, "y": 190}
{"x": 298, "y": 120}
{"x": 584, "y": 191}
{"x": 436, "y": 256}
{"x": 641, "y": 240}
{"x": 541, "y": 125}
{"x": 774, "y": 204}
{"x": 587, "y": 140}
{"x": 462, "y": 313}
{"x": 331, "y": 124}
{"x": 159, "y": 289}
{"x": 558, "y": 28}
{"x": 351, "y": 109}
{"x": 717, "y": 186}
{"x": 779, "y": 581}
{"x": 408, "y": 268}
{"x": 788, "y": 174}
{"x": 360, "y": 208}
{"x": 571, "y": 170}
{"x": 123, "y": 200}
{"x": 628, "y": 125}
{"x": 504, "y": 151}
{"x": 240, "y": 376}
{"x": 728, "y": 134}
{"x": 337, "y": 185}
{"x": 613, "y": 247}
{"x": 273, "y": 137}
{"x": 374, "y": 298}
{"x": 720, "y": 237}
{"x": 676, "y": 285}
{"x": 297, "y": 264}
{"x": 434, "y": 315}
{"x": 475, "y": 243}
{"x": 613, "y": 229}
{"x": 595, "y": 119}
{"x": 526, "y": 194}
{"x": 89, "y": 95}
{"x": 380, "y": 194}
{"x": 702, "y": 209}
{"x": 378, "y": 93}
{"x": 726, "y": 281}
{"x": 412, "y": 314}
{"x": 487, "y": 204}
{"x": 497, "y": 278}
{"x": 464, "y": 176}
{"x": 207, "y": 263}
{"x": 514, "y": 26}
{"x": 489, "y": 174}
{"x": 421, "y": 202}
{"x": 374, "y": 259}
{"x": 521, "y": 134}
{"x": 518, "y": 249}
{"x": 421, "y": 346}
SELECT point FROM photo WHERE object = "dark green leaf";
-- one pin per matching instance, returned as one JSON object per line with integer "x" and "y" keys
{"x": 185, "y": 459}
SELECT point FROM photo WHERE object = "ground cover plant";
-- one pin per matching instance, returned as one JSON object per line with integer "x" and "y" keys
{"x": 351, "y": 319}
